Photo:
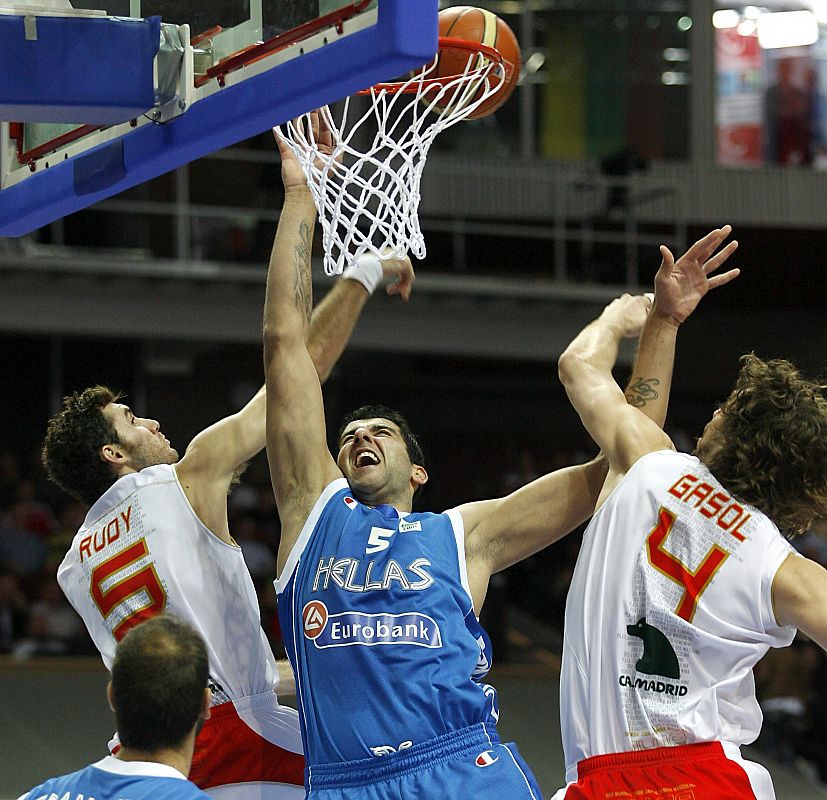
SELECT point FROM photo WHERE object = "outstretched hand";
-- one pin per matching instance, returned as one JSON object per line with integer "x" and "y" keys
{"x": 319, "y": 133}
{"x": 403, "y": 271}
{"x": 680, "y": 285}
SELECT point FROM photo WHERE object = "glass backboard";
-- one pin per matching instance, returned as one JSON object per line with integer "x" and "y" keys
{"x": 223, "y": 72}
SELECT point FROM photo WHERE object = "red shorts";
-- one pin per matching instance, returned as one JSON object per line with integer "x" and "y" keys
{"x": 689, "y": 772}
{"x": 228, "y": 751}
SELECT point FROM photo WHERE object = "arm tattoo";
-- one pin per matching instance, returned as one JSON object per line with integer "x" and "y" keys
{"x": 304, "y": 286}
{"x": 642, "y": 391}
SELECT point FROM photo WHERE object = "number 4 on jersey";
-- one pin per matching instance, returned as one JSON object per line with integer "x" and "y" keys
{"x": 693, "y": 582}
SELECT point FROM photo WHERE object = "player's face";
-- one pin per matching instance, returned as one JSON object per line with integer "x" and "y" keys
{"x": 374, "y": 459}
{"x": 142, "y": 439}
{"x": 711, "y": 439}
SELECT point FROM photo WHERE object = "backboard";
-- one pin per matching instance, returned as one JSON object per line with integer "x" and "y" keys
{"x": 219, "y": 73}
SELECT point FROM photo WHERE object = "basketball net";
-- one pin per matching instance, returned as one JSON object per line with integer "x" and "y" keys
{"x": 368, "y": 196}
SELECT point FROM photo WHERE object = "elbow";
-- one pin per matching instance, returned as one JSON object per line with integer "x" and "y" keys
{"x": 569, "y": 366}
{"x": 278, "y": 338}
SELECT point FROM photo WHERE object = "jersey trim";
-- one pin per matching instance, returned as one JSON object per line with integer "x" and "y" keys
{"x": 458, "y": 526}
{"x": 150, "y": 769}
{"x": 307, "y": 529}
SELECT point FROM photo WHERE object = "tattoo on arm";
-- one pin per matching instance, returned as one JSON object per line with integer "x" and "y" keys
{"x": 304, "y": 286}
{"x": 642, "y": 391}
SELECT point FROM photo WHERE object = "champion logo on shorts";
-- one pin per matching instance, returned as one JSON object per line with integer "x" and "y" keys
{"x": 486, "y": 758}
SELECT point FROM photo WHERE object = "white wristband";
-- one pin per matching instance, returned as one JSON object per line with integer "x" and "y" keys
{"x": 367, "y": 270}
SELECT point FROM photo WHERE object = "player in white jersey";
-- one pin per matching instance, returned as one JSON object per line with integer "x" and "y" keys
{"x": 157, "y": 538}
{"x": 684, "y": 580}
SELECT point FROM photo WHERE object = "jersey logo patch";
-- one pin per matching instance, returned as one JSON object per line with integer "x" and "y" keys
{"x": 486, "y": 758}
{"x": 405, "y": 527}
{"x": 658, "y": 654}
{"x": 314, "y": 618}
{"x": 350, "y": 502}
{"x": 354, "y": 627}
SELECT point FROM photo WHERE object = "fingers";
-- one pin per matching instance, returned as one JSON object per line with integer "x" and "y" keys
{"x": 405, "y": 276}
{"x": 719, "y": 258}
{"x": 724, "y": 278}
{"x": 706, "y": 246}
{"x": 281, "y": 142}
{"x": 667, "y": 261}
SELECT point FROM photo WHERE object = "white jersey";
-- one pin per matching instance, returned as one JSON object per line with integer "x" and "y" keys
{"x": 143, "y": 550}
{"x": 669, "y": 610}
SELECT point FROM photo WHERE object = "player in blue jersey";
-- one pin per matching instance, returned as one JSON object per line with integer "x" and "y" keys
{"x": 379, "y": 605}
{"x": 160, "y": 697}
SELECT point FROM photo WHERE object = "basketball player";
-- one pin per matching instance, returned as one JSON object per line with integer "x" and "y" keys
{"x": 684, "y": 579}
{"x": 157, "y": 537}
{"x": 379, "y": 605}
{"x": 160, "y": 698}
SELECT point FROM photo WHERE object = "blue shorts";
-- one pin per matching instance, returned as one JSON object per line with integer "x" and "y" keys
{"x": 468, "y": 763}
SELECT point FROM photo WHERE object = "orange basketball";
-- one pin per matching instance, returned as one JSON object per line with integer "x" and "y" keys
{"x": 478, "y": 25}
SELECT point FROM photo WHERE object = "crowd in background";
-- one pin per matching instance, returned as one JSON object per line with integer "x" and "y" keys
{"x": 38, "y": 523}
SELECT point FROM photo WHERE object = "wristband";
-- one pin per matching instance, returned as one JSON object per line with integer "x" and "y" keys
{"x": 367, "y": 269}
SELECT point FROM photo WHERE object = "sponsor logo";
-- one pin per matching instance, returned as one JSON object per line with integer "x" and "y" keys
{"x": 387, "y": 749}
{"x": 658, "y": 687}
{"x": 658, "y": 654}
{"x": 314, "y": 618}
{"x": 486, "y": 758}
{"x": 350, "y": 502}
{"x": 354, "y": 627}
{"x": 406, "y": 527}
{"x": 659, "y": 659}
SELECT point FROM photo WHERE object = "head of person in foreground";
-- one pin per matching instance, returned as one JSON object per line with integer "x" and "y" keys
{"x": 158, "y": 689}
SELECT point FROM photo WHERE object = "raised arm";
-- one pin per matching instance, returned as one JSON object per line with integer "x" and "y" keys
{"x": 502, "y": 532}
{"x": 216, "y": 454}
{"x": 300, "y": 463}
{"x": 679, "y": 287}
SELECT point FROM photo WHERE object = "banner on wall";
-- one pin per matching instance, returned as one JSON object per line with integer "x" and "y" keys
{"x": 739, "y": 105}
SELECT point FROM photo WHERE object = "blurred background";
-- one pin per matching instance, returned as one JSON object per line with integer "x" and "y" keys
{"x": 634, "y": 124}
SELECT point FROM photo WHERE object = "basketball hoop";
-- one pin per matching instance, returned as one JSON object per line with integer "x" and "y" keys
{"x": 367, "y": 195}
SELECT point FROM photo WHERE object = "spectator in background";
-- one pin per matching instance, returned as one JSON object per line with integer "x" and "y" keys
{"x": 14, "y": 613}
{"x": 54, "y": 626}
{"x": 30, "y": 515}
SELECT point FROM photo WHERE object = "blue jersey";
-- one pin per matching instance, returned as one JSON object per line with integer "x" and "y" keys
{"x": 113, "y": 779}
{"x": 379, "y": 625}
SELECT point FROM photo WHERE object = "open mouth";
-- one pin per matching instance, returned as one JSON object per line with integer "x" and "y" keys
{"x": 365, "y": 458}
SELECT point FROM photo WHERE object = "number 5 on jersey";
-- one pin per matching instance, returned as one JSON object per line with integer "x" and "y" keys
{"x": 145, "y": 581}
{"x": 378, "y": 540}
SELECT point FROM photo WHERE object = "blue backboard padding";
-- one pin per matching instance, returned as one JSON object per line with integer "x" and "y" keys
{"x": 93, "y": 71}
{"x": 404, "y": 38}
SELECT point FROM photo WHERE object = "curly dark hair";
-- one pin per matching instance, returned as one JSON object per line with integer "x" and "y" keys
{"x": 383, "y": 412}
{"x": 74, "y": 437}
{"x": 769, "y": 447}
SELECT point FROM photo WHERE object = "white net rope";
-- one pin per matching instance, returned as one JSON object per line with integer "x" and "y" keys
{"x": 368, "y": 196}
